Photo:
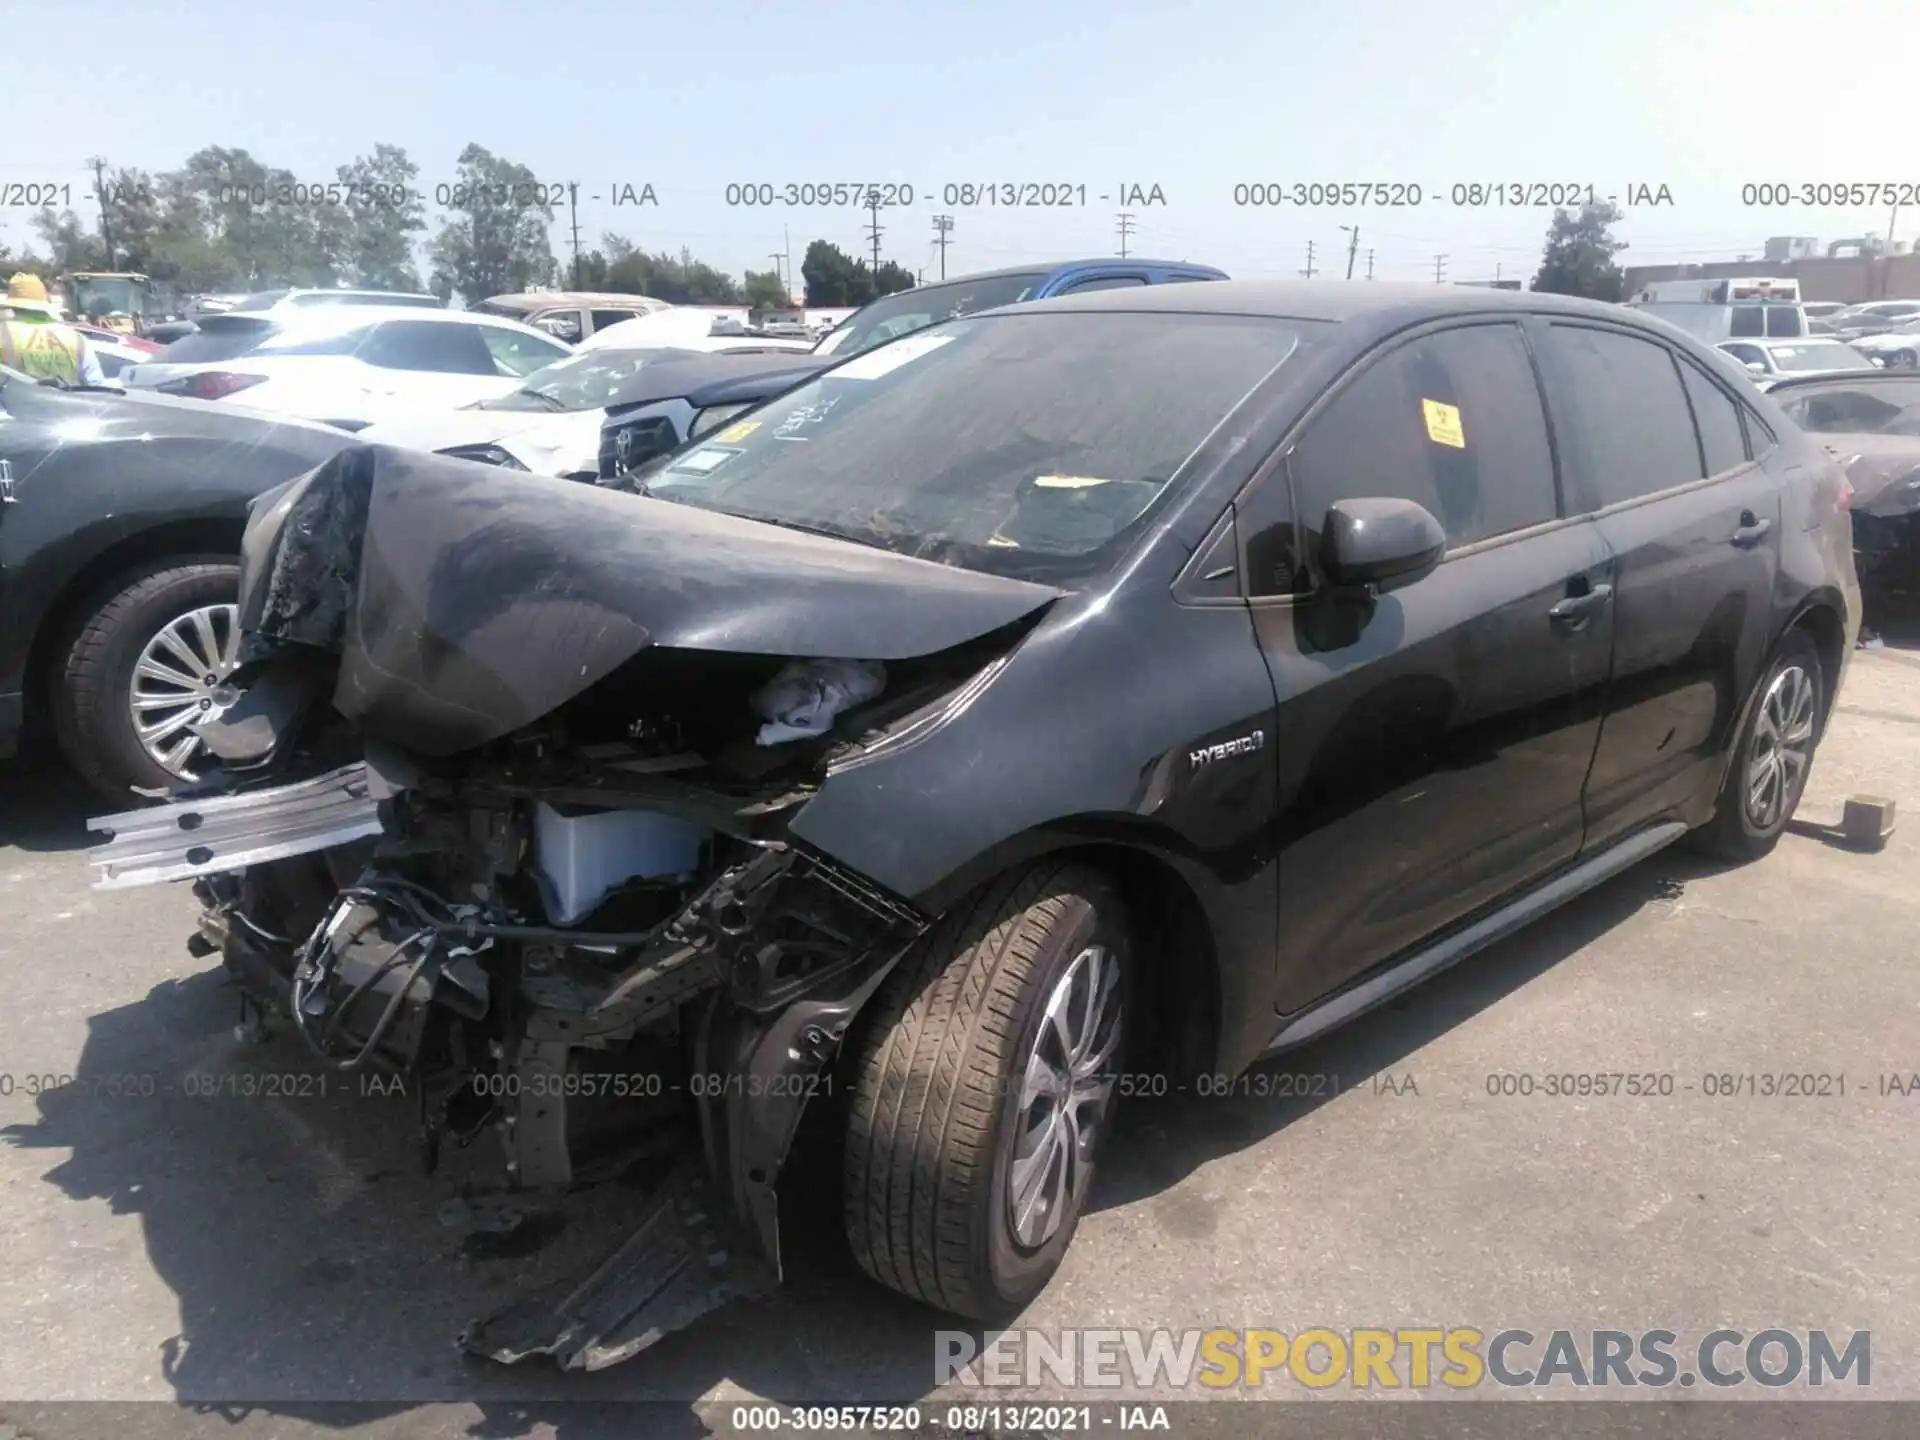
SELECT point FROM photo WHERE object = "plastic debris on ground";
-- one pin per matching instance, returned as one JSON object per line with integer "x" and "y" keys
{"x": 805, "y": 698}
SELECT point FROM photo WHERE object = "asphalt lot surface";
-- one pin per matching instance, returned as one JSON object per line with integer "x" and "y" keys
{"x": 251, "y": 1257}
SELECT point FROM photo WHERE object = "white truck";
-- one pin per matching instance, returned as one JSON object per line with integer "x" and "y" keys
{"x": 1762, "y": 307}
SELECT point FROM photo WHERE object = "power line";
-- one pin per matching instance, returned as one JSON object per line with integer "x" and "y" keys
{"x": 1126, "y": 231}
{"x": 100, "y": 193}
{"x": 1439, "y": 268}
{"x": 1369, "y": 264}
{"x": 942, "y": 228}
{"x": 1353, "y": 246}
{"x": 1308, "y": 272}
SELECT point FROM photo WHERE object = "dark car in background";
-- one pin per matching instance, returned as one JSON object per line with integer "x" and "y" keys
{"x": 1870, "y": 422}
{"x": 120, "y": 524}
{"x": 906, "y": 311}
{"x": 1126, "y": 683}
{"x": 694, "y": 397}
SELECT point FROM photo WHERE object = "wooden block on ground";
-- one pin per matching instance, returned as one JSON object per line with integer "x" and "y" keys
{"x": 1867, "y": 822}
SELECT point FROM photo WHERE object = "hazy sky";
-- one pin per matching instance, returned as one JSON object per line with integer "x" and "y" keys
{"x": 1702, "y": 97}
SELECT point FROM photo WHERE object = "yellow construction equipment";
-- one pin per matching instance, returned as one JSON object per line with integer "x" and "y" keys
{"x": 111, "y": 299}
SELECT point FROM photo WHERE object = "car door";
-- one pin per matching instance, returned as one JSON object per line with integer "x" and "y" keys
{"x": 1655, "y": 449}
{"x": 1432, "y": 742}
{"x": 416, "y": 365}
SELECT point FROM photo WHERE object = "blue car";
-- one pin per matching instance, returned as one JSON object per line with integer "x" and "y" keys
{"x": 909, "y": 310}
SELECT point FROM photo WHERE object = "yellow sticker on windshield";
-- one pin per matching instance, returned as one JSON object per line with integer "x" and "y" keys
{"x": 733, "y": 434}
{"x": 1443, "y": 424}
{"x": 1067, "y": 482}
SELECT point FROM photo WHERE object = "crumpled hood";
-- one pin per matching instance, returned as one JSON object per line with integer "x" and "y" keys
{"x": 1884, "y": 471}
{"x": 466, "y": 601}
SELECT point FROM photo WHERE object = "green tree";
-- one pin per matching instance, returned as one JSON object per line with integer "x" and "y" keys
{"x": 679, "y": 281}
{"x": 765, "y": 290}
{"x": 830, "y": 274}
{"x": 70, "y": 244}
{"x": 1578, "y": 259}
{"x": 496, "y": 241}
{"x": 383, "y": 214}
{"x": 132, "y": 211}
{"x": 891, "y": 278}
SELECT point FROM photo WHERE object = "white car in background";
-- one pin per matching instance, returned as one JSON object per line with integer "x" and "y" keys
{"x": 1897, "y": 349}
{"x": 1775, "y": 359}
{"x": 683, "y": 327}
{"x": 349, "y": 365}
{"x": 553, "y": 424}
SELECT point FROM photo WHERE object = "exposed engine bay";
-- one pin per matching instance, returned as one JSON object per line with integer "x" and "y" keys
{"x": 588, "y": 942}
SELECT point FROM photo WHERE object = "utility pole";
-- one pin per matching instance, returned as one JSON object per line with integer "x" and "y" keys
{"x": 777, "y": 258}
{"x": 1308, "y": 272}
{"x": 1439, "y": 268}
{"x": 573, "y": 220}
{"x": 942, "y": 228}
{"x": 106, "y": 225}
{"x": 873, "y": 233}
{"x": 1353, "y": 246}
{"x": 1369, "y": 264}
{"x": 1126, "y": 231}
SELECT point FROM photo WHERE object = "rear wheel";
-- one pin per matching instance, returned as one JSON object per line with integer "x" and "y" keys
{"x": 1772, "y": 754}
{"x": 984, "y": 1090}
{"x": 139, "y": 674}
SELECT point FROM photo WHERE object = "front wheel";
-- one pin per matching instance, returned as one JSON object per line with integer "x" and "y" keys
{"x": 984, "y": 1090}
{"x": 1771, "y": 755}
{"x": 140, "y": 673}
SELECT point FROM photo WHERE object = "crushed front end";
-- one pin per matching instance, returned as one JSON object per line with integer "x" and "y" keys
{"x": 567, "y": 909}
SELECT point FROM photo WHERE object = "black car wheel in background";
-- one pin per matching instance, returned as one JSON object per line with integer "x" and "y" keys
{"x": 139, "y": 671}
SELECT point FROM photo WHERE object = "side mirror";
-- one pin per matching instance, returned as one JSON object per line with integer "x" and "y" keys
{"x": 1380, "y": 543}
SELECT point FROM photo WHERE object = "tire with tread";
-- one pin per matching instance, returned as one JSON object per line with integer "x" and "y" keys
{"x": 89, "y": 688}
{"x": 1731, "y": 834}
{"x": 934, "y": 1102}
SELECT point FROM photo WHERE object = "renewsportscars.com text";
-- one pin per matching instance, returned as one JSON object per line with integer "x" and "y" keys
{"x": 1459, "y": 1358}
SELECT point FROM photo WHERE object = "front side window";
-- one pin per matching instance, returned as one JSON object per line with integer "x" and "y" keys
{"x": 517, "y": 354}
{"x": 453, "y": 349}
{"x": 1035, "y": 446}
{"x": 1628, "y": 431}
{"x": 1451, "y": 421}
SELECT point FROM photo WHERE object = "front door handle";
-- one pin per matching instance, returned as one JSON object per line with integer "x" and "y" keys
{"x": 1572, "y": 613}
{"x": 1752, "y": 530}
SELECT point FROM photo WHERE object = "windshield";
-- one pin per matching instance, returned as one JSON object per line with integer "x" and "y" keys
{"x": 1879, "y": 407}
{"x": 1033, "y": 446}
{"x": 916, "y": 309}
{"x": 101, "y": 297}
{"x": 582, "y": 382}
{"x": 1818, "y": 355}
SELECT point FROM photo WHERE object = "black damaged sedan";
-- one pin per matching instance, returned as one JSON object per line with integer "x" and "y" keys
{"x": 1148, "y": 679}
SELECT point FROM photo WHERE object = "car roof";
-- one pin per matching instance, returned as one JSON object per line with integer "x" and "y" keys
{"x": 330, "y": 319}
{"x": 1770, "y": 342}
{"x": 1051, "y": 268}
{"x": 537, "y": 299}
{"x": 1337, "y": 301}
{"x": 685, "y": 374}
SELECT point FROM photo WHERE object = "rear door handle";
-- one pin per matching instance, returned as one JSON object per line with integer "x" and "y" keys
{"x": 1572, "y": 613}
{"x": 1751, "y": 531}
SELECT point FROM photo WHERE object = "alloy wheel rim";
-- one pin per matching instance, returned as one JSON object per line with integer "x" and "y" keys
{"x": 174, "y": 681}
{"x": 1065, "y": 1088}
{"x": 1782, "y": 747}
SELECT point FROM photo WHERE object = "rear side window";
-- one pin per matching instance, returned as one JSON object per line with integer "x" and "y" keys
{"x": 1451, "y": 421}
{"x": 211, "y": 342}
{"x": 516, "y": 354}
{"x": 346, "y": 342}
{"x": 603, "y": 318}
{"x": 1628, "y": 431}
{"x": 452, "y": 349}
{"x": 1718, "y": 420}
